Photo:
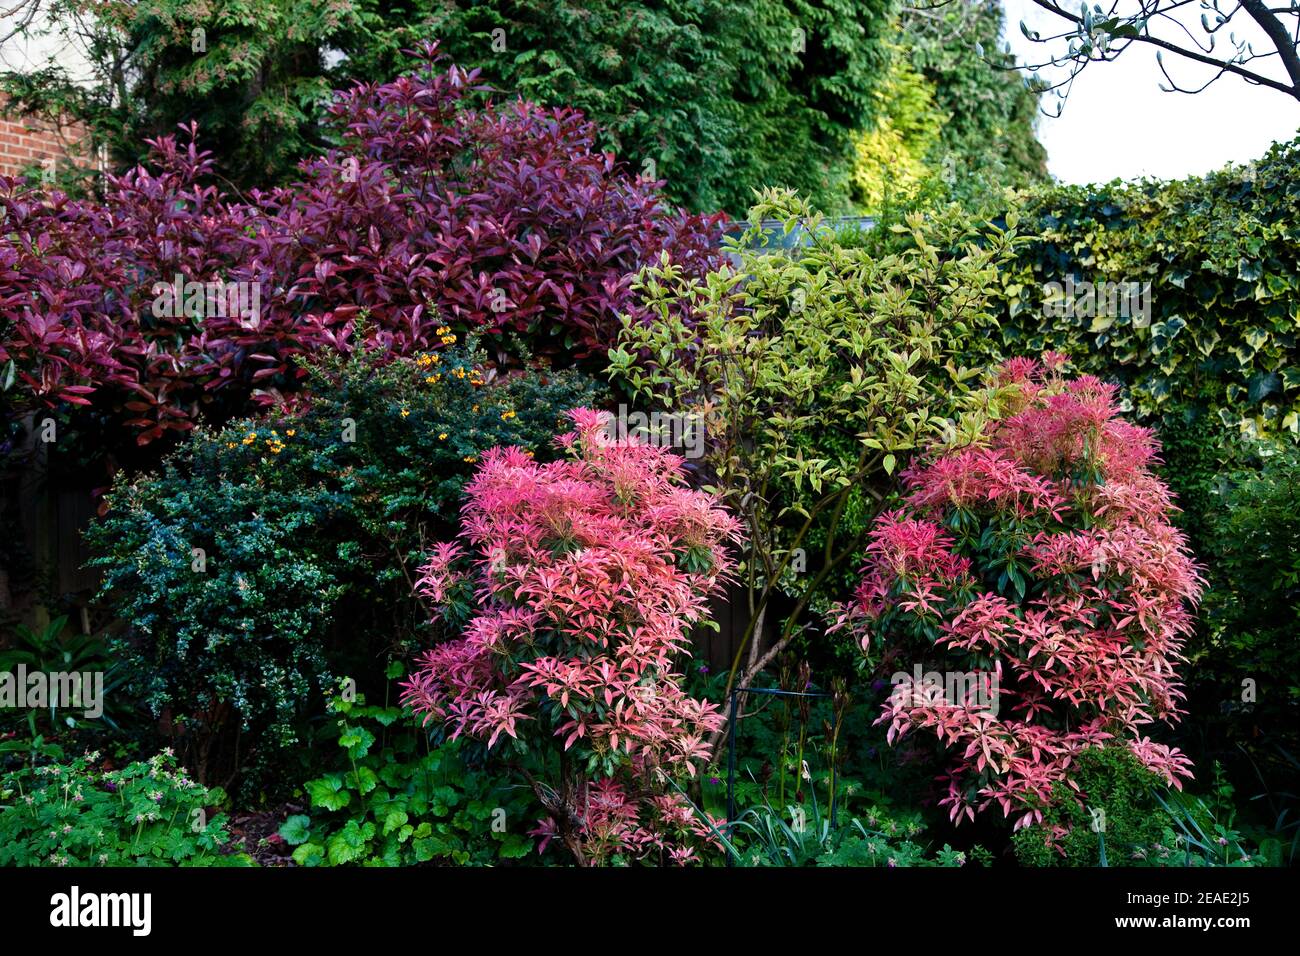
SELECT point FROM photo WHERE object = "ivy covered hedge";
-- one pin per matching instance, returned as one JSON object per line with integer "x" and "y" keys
{"x": 1222, "y": 256}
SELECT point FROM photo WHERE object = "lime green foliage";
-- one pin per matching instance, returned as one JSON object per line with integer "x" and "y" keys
{"x": 814, "y": 374}
{"x": 149, "y": 813}
{"x": 267, "y": 556}
{"x": 399, "y": 801}
{"x": 1223, "y": 258}
{"x": 950, "y": 123}
{"x": 988, "y": 138}
{"x": 894, "y": 156}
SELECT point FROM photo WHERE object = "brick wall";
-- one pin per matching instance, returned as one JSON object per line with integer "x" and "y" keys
{"x": 26, "y": 142}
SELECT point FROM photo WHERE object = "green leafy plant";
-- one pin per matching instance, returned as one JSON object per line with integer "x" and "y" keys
{"x": 55, "y": 649}
{"x": 805, "y": 835}
{"x": 813, "y": 376}
{"x": 1196, "y": 835}
{"x": 149, "y": 813}
{"x": 401, "y": 800}
{"x": 1220, "y": 254}
{"x": 231, "y": 564}
{"x": 1242, "y": 508}
{"x": 1124, "y": 815}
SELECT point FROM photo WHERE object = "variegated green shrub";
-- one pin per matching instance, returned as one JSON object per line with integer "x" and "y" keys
{"x": 814, "y": 374}
{"x": 1222, "y": 256}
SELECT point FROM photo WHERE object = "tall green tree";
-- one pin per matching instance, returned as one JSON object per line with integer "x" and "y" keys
{"x": 989, "y": 136}
{"x": 954, "y": 116}
{"x": 252, "y": 73}
{"x": 717, "y": 97}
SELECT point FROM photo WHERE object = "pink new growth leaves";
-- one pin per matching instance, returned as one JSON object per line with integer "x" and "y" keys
{"x": 1043, "y": 556}
{"x": 588, "y": 575}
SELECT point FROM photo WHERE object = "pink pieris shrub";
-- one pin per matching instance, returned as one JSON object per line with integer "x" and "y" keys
{"x": 1037, "y": 571}
{"x": 574, "y": 587}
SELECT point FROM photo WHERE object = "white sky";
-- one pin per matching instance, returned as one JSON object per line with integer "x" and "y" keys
{"x": 1118, "y": 123}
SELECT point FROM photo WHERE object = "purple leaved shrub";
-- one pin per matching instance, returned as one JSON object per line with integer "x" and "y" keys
{"x": 435, "y": 216}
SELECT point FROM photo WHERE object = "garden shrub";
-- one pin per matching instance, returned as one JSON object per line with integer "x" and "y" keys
{"x": 492, "y": 218}
{"x": 431, "y": 214}
{"x": 585, "y": 577}
{"x": 149, "y": 813}
{"x": 1220, "y": 252}
{"x": 1112, "y": 814}
{"x": 1039, "y": 562}
{"x": 402, "y": 801}
{"x": 77, "y": 292}
{"x": 1246, "y": 660}
{"x": 1106, "y": 779}
{"x": 266, "y": 558}
{"x": 811, "y": 377}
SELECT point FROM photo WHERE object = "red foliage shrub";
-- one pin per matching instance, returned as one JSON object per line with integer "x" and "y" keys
{"x": 1043, "y": 561}
{"x": 505, "y": 217}
{"x": 433, "y": 218}
{"x": 77, "y": 293}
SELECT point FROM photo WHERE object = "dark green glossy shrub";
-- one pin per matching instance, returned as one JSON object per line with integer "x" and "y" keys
{"x": 267, "y": 557}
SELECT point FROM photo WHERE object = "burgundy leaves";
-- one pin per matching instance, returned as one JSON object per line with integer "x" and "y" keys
{"x": 433, "y": 212}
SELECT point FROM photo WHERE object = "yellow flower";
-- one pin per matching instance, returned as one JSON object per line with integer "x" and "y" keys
{"x": 432, "y": 379}
{"x": 442, "y": 437}
{"x": 291, "y": 432}
{"x": 471, "y": 458}
{"x": 528, "y": 454}
{"x": 508, "y": 414}
{"x": 405, "y": 413}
